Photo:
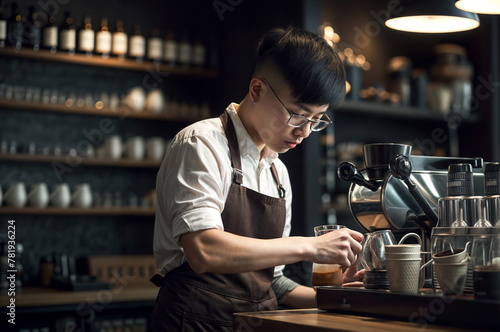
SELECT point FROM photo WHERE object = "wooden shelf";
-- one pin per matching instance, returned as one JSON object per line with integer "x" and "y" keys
{"x": 111, "y": 62}
{"x": 122, "y": 112}
{"x": 124, "y": 162}
{"x": 94, "y": 211}
{"x": 41, "y": 297}
{"x": 400, "y": 112}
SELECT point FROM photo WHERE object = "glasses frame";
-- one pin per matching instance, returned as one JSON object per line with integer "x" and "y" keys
{"x": 292, "y": 114}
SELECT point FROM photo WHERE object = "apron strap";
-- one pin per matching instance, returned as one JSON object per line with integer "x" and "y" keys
{"x": 233, "y": 147}
{"x": 281, "y": 189}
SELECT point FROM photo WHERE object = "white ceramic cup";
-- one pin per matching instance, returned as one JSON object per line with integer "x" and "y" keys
{"x": 451, "y": 277}
{"x": 60, "y": 195}
{"x": 135, "y": 147}
{"x": 155, "y": 148}
{"x": 16, "y": 195}
{"x": 39, "y": 195}
{"x": 403, "y": 275}
{"x": 113, "y": 147}
{"x": 82, "y": 196}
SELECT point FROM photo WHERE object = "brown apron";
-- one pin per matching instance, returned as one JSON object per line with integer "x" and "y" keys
{"x": 188, "y": 301}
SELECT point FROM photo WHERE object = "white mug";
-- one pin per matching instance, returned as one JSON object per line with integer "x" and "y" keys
{"x": 39, "y": 195}
{"x": 82, "y": 196}
{"x": 60, "y": 196}
{"x": 113, "y": 147}
{"x": 135, "y": 148}
{"x": 155, "y": 148}
{"x": 16, "y": 195}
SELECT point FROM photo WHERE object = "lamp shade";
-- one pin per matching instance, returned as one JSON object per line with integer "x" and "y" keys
{"x": 432, "y": 16}
{"x": 479, "y": 6}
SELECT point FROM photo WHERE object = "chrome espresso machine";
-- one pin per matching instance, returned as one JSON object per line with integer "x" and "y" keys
{"x": 400, "y": 192}
{"x": 403, "y": 193}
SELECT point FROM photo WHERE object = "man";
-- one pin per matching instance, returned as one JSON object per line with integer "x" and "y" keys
{"x": 224, "y": 198}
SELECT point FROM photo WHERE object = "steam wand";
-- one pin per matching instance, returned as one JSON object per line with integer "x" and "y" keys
{"x": 401, "y": 168}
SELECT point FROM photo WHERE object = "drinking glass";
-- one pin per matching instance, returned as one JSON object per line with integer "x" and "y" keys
{"x": 326, "y": 274}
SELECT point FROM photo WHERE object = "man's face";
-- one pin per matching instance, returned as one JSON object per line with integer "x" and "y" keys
{"x": 275, "y": 107}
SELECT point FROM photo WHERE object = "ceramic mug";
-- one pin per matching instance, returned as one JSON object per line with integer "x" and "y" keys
{"x": 113, "y": 147}
{"x": 39, "y": 195}
{"x": 135, "y": 147}
{"x": 82, "y": 196}
{"x": 155, "y": 148}
{"x": 16, "y": 195}
{"x": 60, "y": 196}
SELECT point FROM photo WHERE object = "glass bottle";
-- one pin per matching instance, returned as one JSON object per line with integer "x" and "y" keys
{"x": 3, "y": 27}
{"x": 119, "y": 47}
{"x": 170, "y": 50}
{"x": 67, "y": 34}
{"x": 137, "y": 44}
{"x": 155, "y": 46}
{"x": 86, "y": 42}
{"x": 103, "y": 39}
{"x": 199, "y": 54}
{"x": 185, "y": 52}
{"x": 49, "y": 34}
{"x": 15, "y": 28}
{"x": 33, "y": 29}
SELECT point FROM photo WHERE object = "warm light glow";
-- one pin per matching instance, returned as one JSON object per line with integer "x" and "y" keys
{"x": 335, "y": 38}
{"x": 347, "y": 87}
{"x": 431, "y": 24}
{"x": 479, "y": 6}
{"x": 348, "y": 52}
{"x": 328, "y": 32}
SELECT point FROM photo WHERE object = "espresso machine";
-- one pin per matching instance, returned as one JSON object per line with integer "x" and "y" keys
{"x": 399, "y": 191}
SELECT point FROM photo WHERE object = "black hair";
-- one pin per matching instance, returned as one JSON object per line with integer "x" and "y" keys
{"x": 311, "y": 67}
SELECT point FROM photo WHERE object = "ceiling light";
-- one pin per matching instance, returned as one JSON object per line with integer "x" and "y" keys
{"x": 480, "y": 6}
{"x": 432, "y": 16}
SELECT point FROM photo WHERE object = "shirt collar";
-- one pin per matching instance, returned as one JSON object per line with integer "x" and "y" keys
{"x": 246, "y": 144}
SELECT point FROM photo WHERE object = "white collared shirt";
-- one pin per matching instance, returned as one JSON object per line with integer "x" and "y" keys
{"x": 194, "y": 180}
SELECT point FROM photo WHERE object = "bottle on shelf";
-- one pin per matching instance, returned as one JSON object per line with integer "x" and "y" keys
{"x": 86, "y": 37}
{"x": 103, "y": 39}
{"x": 119, "y": 47}
{"x": 185, "y": 52}
{"x": 170, "y": 50}
{"x": 33, "y": 29}
{"x": 49, "y": 33}
{"x": 3, "y": 27}
{"x": 137, "y": 44}
{"x": 155, "y": 46}
{"x": 15, "y": 28}
{"x": 199, "y": 54}
{"x": 68, "y": 35}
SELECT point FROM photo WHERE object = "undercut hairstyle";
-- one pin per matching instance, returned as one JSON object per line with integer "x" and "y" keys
{"x": 311, "y": 67}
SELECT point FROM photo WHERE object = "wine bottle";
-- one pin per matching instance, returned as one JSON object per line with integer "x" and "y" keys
{"x": 171, "y": 49}
{"x": 33, "y": 29}
{"x": 137, "y": 44}
{"x": 67, "y": 34}
{"x": 155, "y": 46}
{"x": 119, "y": 47}
{"x": 3, "y": 27}
{"x": 86, "y": 37}
{"x": 49, "y": 33}
{"x": 199, "y": 54}
{"x": 15, "y": 28}
{"x": 103, "y": 39}
{"x": 185, "y": 52}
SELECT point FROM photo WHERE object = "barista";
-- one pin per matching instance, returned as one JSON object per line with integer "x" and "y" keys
{"x": 224, "y": 197}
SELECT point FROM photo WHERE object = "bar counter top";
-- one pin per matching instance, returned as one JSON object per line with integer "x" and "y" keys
{"x": 313, "y": 320}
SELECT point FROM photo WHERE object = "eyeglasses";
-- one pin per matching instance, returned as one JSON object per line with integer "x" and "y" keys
{"x": 297, "y": 120}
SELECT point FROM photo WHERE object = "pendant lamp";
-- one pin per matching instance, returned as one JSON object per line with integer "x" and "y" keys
{"x": 431, "y": 16}
{"x": 479, "y": 6}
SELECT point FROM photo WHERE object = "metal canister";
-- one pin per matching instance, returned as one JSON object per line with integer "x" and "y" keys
{"x": 473, "y": 209}
{"x": 460, "y": 180}
{"x": 492, "y": 179}
{"x": 448, "y": 210}
{"x": 493, "y": 209}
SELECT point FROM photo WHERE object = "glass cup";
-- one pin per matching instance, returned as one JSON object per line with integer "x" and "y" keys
{"x": 485, "y": 258}
{"x": 326, "y": 274}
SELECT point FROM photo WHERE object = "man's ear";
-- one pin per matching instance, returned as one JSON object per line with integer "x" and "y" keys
{"x": 255, "y": 89}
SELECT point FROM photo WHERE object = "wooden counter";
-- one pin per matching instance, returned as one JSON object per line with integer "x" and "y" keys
{"x": 313, "y": 320}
